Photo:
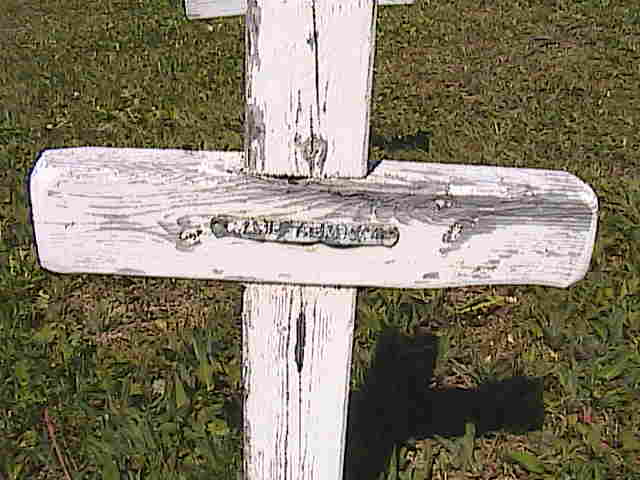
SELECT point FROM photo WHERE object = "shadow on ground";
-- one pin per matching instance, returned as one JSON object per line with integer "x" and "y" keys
{"x": 395, "y": 405}
{"x": 419, "y": 141}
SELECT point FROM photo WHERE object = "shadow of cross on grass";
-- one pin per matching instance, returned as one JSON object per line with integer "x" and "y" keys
{"x": 420, "y": 140}
{"x": 395, "y": 404}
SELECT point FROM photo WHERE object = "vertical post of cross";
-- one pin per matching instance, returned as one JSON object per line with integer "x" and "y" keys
{"x": 308, "y": 89}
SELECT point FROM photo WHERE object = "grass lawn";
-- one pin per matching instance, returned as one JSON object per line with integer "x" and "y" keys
{"x": 139, "y": 378}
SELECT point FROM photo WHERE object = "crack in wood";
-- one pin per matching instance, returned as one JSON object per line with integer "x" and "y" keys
{"x": 301, "y": 331}
{"x": 300, "y": 339}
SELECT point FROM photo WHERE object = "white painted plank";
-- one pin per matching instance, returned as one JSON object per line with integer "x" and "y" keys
{"x": 203, "y": 9}
{"x": 297, "y": 344}
{"x": 310, "y": 63}
{"x": 121, "y": 211}
{"x": 307, "y": 115}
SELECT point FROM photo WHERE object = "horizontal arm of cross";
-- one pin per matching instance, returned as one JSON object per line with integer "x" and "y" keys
{"x": 415, "y": 225}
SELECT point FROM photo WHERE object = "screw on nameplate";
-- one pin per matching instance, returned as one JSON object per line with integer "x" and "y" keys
{"x": 301, "y": 232}
{"x": 191, "y": 236}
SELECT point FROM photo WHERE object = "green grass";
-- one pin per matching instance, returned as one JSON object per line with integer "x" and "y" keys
{"x": 141, "y": 376}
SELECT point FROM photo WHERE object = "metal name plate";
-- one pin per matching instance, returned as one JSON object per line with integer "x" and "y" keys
{"x": 300, "y": 232}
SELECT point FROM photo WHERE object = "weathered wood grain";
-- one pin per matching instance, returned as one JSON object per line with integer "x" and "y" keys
{"x": 203, "y": 9}
{"x": 309, "y": 67}
{"x": 297, "y": 344}
{"x": 308, "y": 87}
{"x": 122, "y": 211}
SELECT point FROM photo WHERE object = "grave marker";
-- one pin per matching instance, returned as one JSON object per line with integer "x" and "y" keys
{"x": 299, "y": 210}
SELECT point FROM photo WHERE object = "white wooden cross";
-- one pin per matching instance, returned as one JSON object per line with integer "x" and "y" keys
{"x": 303, "y": 218}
